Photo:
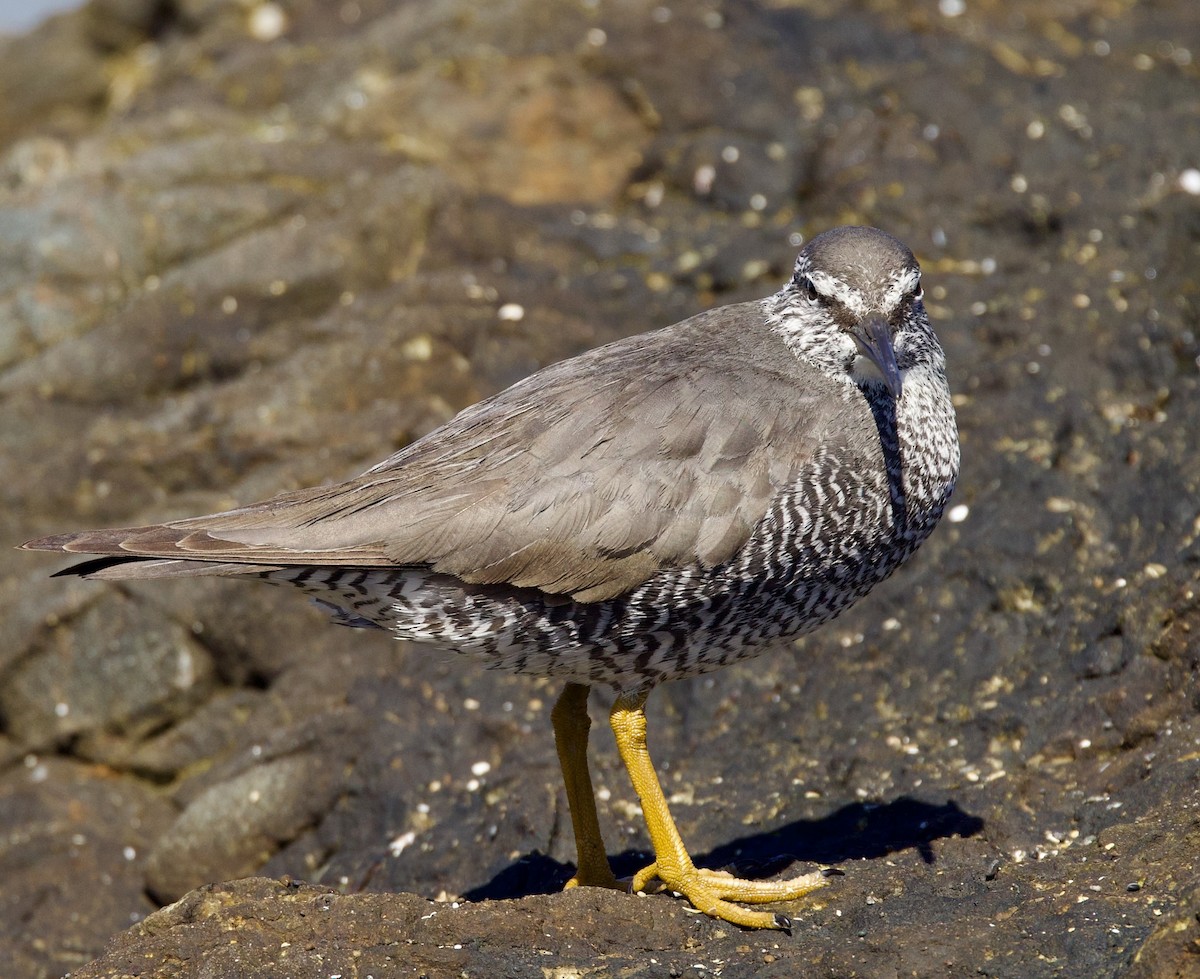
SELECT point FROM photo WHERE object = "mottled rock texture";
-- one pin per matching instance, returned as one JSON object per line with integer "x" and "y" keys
{"x": 250, "y": 246}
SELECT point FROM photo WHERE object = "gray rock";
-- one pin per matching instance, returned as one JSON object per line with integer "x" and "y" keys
{"x": 116, "y": 667}
{"x": 230, "y": 266}
{"x": 231, "y": 829}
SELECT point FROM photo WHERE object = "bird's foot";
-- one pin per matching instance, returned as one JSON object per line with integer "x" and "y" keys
{"x": 713, "y": 891}
{"x": 597, "y": 877}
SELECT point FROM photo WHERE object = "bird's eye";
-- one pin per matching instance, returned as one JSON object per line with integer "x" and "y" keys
{"x": 918, "y": 295}
{"x": 809, "y": 290}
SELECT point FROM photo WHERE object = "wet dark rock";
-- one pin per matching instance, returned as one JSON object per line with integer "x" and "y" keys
{"x": 249, "y": 247}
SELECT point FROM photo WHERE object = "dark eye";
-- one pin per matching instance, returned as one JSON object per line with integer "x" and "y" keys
{"x": 808, "y": 288}
{"x": 918, "y": 295}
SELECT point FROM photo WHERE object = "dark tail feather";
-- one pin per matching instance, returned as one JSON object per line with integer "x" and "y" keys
{"x": 131, "y": 567}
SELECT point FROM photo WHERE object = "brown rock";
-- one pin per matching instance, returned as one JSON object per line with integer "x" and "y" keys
{"x": 231, "y": 264}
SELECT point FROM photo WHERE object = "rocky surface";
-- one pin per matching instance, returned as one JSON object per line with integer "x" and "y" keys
{"x": 250, "y": 246}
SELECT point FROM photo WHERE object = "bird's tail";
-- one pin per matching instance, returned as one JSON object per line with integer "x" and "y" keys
{"x": 116, "y": 564}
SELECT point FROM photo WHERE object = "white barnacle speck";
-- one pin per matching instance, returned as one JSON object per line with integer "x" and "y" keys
{"x": 481, "y": 768}
{"x": 185, "y": 669}
{"x": 402, "y": 843}
{"x": 958, "y": 513}
{"x": 417, "y": 348}
{"x": 511, "y": 312}
{"x": 1189, "y": 181}
{"x": 267, "y": 22}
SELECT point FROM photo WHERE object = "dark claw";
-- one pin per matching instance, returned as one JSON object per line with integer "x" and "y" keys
{"x": 832, "y": 872}
{"x": 783, "y": 922}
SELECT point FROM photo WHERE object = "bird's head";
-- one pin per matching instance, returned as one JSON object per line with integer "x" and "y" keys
{"x": 853, "y": 306}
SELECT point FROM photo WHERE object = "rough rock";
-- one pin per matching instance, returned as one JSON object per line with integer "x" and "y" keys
{"x": 251, "y": 246}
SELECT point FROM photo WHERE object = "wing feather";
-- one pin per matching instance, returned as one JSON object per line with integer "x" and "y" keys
{"x": 585, "y": 479}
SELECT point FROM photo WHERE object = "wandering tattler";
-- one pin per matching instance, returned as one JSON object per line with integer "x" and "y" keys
{"x": 653, "y": 509}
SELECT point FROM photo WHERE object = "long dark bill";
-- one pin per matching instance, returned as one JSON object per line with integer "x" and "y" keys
{"x": 874, "y": 339}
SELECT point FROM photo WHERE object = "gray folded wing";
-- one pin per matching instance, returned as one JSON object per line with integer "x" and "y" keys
{"x": 660, "y": 451}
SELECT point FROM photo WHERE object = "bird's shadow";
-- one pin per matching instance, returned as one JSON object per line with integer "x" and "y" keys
{"x": 855, "y": 832}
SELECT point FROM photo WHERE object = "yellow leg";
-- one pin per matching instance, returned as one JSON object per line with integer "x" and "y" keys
{"x": 571, "y": 726}
{"x": 709, "y": 891}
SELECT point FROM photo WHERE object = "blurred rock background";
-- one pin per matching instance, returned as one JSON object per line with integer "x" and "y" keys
{"x": 19, "y": 16}
{"x": 250, "y": 246}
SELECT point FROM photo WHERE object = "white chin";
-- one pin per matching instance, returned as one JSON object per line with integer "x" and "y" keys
{"x": 864, "y": 371}
{"x": 865, "y": 374}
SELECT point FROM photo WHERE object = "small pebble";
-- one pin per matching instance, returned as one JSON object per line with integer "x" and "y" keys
{"x": 267, "y": 22}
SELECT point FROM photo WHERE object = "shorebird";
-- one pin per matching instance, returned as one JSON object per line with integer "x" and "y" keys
{"x": 652, "y": 509}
